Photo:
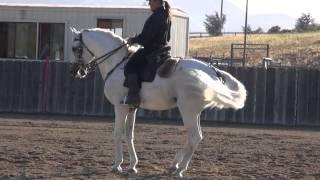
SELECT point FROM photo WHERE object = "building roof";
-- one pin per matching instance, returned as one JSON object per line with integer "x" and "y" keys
{"x": 176, "y": 11}
{"x": 71, "y": 6}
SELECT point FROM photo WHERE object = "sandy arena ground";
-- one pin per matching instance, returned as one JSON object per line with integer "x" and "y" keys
{"x": 59, "y": 147}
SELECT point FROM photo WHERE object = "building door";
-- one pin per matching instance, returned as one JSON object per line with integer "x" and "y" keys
{"x": 114, "y": 25}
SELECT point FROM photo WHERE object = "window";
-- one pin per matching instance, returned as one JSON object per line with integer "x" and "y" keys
{"x": 18, "y": 40}
{"x": 51, "y": 41}
{"x": 114, "y": 25}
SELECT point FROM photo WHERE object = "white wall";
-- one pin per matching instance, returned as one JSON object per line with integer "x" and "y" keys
{"x": 86, "y": 17}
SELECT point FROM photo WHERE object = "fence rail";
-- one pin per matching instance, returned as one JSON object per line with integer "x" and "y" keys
{"x": 275, "y": 95}
{"x": 216, "y": 61}
{"x": 206, "y": 34}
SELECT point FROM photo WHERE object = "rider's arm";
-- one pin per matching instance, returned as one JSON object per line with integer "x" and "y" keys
{"x": 148, "y": 33}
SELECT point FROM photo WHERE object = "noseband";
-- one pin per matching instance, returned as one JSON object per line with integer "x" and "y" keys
{"x": 82, "y": 70}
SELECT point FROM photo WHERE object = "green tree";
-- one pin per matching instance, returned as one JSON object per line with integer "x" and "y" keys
{"x": 274, "y": 29}
{"x": 305, "y": 23}
{"x": 214, "y": 24}
{"x": 249, "y": 29}
{"x": 259, "y": 30}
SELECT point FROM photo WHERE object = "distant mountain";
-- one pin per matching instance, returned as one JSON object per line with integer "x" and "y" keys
{"x": 266, "y": 21}
{"x": 235, "y": 17}
{"x": 197, "y": 11}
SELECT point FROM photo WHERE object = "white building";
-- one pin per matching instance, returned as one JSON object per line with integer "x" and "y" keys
{"x": 42, "y": 31}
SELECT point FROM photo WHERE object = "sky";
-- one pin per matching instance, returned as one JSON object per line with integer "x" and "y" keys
{"x": 283, "y": 12}
{"x": 262, "y": 13}
{"x": 292, "y": 8}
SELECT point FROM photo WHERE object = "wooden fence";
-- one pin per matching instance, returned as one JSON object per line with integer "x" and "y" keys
{"x": 205, "y": 34}
{"x": 276, "y": 96}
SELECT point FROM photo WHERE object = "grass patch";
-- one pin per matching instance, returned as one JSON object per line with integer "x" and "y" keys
{"x": 292, "y": 49}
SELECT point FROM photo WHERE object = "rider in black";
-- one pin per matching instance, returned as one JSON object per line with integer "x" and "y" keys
{"x": 155, "y": 35}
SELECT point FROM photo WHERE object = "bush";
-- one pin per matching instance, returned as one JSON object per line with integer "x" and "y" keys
{"x": 249, "y": 29}
{"x": 286, "y": 31}
{"x": 274, "y": 29}
{"x": 258, "y": 30}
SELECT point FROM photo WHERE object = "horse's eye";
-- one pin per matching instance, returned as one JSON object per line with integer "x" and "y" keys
{"x": 79, "y": 49}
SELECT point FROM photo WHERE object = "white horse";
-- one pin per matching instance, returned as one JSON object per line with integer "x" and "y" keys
{"x": 193, "y": 87}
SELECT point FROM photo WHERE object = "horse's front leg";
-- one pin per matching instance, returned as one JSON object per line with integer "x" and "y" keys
{"x": 120, "y": 119}
{"x": 130, "y": 140}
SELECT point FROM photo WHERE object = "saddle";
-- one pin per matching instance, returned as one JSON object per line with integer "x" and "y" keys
{"x": 158, "y": 62}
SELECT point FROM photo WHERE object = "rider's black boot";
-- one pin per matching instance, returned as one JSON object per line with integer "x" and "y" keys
{"x": 133, "y": 97}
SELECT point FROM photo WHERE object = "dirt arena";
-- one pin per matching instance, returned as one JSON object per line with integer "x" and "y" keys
{"x": 59, "y": 147}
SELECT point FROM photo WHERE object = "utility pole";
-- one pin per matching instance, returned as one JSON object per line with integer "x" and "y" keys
{"x": 221, "y": 16}
{"x": 245, "y": 36}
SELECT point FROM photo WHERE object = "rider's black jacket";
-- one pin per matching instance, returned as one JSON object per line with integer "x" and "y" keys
{"x": 156, "y": 31}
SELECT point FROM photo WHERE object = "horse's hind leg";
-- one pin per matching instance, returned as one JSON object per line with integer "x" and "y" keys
{"x": 177, "y": 160}
{"x": 120, "y": 118}
{"x": 130, "y": 138}
{"x": 191, "y": 120}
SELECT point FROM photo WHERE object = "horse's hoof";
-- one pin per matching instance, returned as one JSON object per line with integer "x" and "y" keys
{"x": 116, "y": 169}
{"x": 133, "y": 171}
{"x": 178, "y": 173}
{"x": 172, "y": 169}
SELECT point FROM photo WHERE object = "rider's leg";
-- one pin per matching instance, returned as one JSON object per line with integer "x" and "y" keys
{"x": 133, "y": 83}
{"x": 132, "y": 80}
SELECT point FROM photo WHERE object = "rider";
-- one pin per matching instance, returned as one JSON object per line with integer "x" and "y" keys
{"x": 155, "y": 35}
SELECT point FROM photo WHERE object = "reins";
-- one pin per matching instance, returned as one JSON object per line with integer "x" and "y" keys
{"x": 106, "y": 56}
{"x": 116, "y": 66}
{"x": 94, "y": 62}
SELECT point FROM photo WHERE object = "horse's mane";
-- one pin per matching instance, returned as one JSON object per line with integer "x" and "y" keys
{"x": 106, "y": 32}
{"x": 116, "y": 37}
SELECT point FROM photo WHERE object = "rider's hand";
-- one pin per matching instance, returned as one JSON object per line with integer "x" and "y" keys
{"x": 131, "y": 40}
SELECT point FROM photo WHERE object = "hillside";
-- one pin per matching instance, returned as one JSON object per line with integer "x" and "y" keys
{"x": 291, "y": 49}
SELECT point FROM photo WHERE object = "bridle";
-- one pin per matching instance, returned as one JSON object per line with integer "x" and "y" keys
{"x": 82, "y": 70}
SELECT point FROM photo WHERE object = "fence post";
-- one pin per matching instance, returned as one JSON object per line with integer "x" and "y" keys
{"x": 231, "y": 51}
{"x": 44, "y": 106}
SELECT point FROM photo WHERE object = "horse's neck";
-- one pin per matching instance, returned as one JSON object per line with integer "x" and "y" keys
{"x": 106, "y": 66}
{"x": 101, "y": 48}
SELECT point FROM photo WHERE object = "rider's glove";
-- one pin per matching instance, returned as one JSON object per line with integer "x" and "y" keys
{"x": 132, "y": 40}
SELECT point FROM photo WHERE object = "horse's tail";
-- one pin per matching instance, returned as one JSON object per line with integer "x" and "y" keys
{"x": 213, "y": 92}
{"x": 236, "y": 93}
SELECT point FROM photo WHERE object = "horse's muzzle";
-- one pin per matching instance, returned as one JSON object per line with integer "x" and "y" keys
{"x": 78, "y": 70}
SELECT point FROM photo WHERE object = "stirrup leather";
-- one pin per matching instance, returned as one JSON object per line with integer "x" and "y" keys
{"x": 126, "y": 101}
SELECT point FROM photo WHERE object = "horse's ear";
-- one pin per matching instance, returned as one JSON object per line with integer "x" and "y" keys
{"x": 74, "y": 30}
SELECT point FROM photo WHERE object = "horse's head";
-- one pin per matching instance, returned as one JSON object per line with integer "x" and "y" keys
{"x": 78, "y": 69}
{"x": 92, "y": 47}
